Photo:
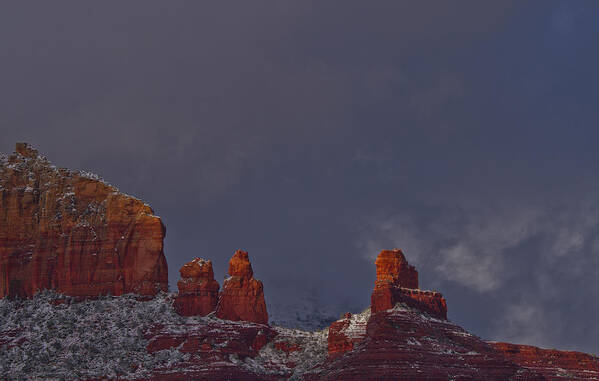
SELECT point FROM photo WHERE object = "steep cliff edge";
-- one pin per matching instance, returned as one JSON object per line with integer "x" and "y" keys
{"x": 71, "y": 232}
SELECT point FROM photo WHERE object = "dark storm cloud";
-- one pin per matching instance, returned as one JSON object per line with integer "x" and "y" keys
{"x": 315, "y": 134}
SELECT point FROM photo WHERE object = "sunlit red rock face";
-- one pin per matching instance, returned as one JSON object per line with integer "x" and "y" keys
{"x": 385, "y": 296}
{"x": 71, "y": 232}
{"x": 242, "y": 296}
{"x": 551, "y": 363}
{"x": 392, "y": 266}
{"x": 198, "y": 291}
{"x": 397, "y": 282}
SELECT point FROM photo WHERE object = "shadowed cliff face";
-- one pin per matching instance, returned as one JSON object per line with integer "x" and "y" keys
{"x": 71, "y": 232}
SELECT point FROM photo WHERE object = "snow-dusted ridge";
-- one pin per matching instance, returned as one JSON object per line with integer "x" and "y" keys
{"x": 43, "y": 338}
{"x": 97, "y": 338}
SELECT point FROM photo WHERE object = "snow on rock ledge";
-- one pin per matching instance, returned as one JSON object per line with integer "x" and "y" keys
{"x": 346, "y": 332}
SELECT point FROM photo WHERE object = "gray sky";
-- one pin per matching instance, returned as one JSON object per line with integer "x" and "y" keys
{"x": 316, "y": 134}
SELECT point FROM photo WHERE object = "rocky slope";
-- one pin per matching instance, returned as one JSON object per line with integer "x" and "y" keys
{"x": 71, "y": 232}
{"x": 550, "y": 363}
{"x": 67, "y": 239}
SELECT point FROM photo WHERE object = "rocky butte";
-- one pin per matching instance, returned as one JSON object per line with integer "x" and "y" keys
{"x": 73, "y": 234}
{"x": 397, "y": 282}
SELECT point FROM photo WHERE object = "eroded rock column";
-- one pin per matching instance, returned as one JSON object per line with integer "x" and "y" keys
{"x": 198, "y": 291}
{"x": 242, "y": 296}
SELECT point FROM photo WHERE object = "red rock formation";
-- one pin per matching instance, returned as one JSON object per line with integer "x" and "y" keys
{"x": 551, "y": 363}
{"x": 392, "y": 266}
{"x": 404, "y": 344}
{"x": 242, "y": 296}
{"x": 71, "y": 232}
{"x": 345, "y": 333}
{"x": 198, "y": 291}
{"x": 211, "y": 346}
{"x": 431, "y": 302}
{"x": 397, "y": 282}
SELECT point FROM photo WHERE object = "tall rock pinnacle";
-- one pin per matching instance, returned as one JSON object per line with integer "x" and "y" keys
{"x": 242, "y": 296}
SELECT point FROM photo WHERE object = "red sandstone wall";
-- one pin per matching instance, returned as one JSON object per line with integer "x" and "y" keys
{"x": 73, "y": 233}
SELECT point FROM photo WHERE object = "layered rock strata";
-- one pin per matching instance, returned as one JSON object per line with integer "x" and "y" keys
{"x": 393, "y": 267}
{"x": 387, "y": 295}
{"x": 198, "y": 291}
{"x": 397, "y": 282}
{"x": 551, "y": 363}
{"x": 242, "y": 296}
{"x": 405, "y": 344}
{"x": 347, "y": 332}
{"x": 393, "y": 275}
{"x": 71, "y": 232}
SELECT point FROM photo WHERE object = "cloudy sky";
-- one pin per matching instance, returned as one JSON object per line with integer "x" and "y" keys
{"x": 315, "y": 134}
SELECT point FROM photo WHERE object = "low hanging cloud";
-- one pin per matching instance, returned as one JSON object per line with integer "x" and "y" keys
{"x": 537, "y": 264}
{"x": 474, "y": 246}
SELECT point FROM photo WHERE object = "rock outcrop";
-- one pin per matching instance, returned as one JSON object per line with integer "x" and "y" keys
{"x": 71, "y": 232}
{"x": 242, "y": 296}
{"x": 210, "y": 347}
{"x": 551, "y": 363}
{"x": 392, "y": 267}
{"x": 198, "y": 291}
{"x": 397, "y": 282}
{"x": 393, "y": 276}
{"x": 386, "y": 296}
{"x": 347, "y": 332}
{"x": 405, "y": 344}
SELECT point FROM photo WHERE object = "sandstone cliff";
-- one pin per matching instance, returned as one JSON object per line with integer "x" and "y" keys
{"x": 71, "y": 232}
